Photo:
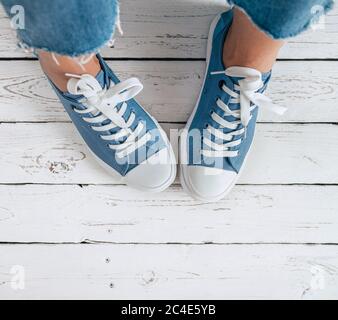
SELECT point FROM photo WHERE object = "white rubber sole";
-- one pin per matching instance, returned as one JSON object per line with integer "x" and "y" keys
{"x": 190, "y": 190}
{"x": 123, "y": 180}
{"x": 183, "y": 142}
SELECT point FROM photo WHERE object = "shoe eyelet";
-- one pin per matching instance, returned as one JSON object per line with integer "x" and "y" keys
{"x": 221, "y": 84}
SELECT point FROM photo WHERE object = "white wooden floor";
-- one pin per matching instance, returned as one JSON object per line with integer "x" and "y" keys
{"x": 68, "y": 231}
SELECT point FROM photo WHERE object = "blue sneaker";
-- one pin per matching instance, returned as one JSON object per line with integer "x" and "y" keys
{"x": 121, "y": 135}
{"x": 218, "y": 136}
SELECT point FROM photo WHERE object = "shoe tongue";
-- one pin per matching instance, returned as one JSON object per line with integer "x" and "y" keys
{"x": 238, "y": 73}
{"x": 100, "y": 79}
{"x": 235, "y": 74}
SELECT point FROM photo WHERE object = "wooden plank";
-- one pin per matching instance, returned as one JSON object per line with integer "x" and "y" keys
{"x": 117, "y": 214}
{"x": 172, "y": 88}
{"x": 179, "y": 29}
{"x": 53, "y": 153}
{"x": 169, "y": 272}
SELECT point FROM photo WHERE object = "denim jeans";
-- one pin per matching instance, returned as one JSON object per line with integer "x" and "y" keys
{"x": 77, "y": 27}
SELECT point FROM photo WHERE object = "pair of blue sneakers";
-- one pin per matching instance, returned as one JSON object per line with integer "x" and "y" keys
{"x": 130, "y": 143}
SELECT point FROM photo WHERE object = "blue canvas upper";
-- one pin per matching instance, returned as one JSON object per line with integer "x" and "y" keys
{"x": 93, "y": 138}
{"x": 210, "y": 93}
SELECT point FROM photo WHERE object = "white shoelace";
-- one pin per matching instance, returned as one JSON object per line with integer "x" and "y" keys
{"x": 247, "y": 96}
{"x": 102, "y": 105}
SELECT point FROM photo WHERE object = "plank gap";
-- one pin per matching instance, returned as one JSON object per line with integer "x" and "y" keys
{"x": 154, "y": 59}
{"x": 96, "y": 243}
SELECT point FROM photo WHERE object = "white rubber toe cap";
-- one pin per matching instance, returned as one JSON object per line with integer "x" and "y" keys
{"x": 208, "y": 184}
{"x": 155, "y": 174}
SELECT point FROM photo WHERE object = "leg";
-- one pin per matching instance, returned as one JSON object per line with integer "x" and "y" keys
{"x": 56, "y": 67}
{"x": 58, "y": 32}
{"x": 123, "y": 137}
{"x": 243, "y": 46}
{"x": 247, "y": 46}
{"x": 259, "y": 29}
{"x": 70, "y": 28}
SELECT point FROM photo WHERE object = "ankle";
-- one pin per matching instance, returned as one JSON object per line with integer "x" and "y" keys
{"x": 235, "y": 54}
{"x": 247, "y": 46}
{"x": 56, "y": 67}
